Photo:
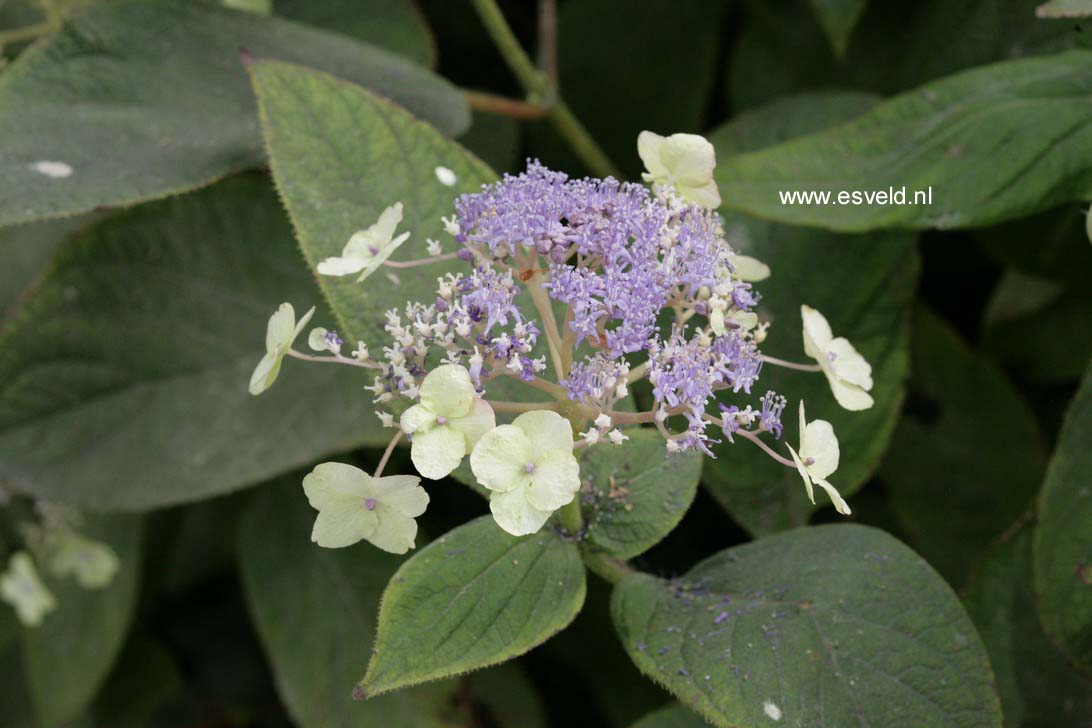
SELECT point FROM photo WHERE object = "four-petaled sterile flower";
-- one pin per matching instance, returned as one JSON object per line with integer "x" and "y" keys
{"x": 279, "y": 335}
{"x": 367, "y": 249}
{"x": 23, "y": 589}
{"x": 748, "y": 269}
{"x": 683, "y": 161}
{"x": 92, "y": 563}
{"x": 353, "y": 505}
{"x": 818, "y": 458}
{"x": 849, "y": 375}
{"x": 530, "y": 467}
{"x": 448, "y": 421}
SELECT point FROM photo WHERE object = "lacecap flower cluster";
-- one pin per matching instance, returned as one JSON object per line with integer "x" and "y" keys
{"x": 576, "y": 289}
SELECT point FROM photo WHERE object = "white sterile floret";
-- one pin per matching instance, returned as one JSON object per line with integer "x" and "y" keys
{"x": 616, "y": 437}
{"x": 92, "y": 563}
{"x": 281, "y": 331}
{"x": 448, "y": 421}
{"x": 353, "y": 505}
{"x": 682, "y": 161}
{"x": 591, "y": 436}
{"x": 385, "y": 418}
{"x": 434, "y": 247}
{"x": 367, "y": 249}
{"x": 530, "y": 467}
{"x": 24, "y": 590}
{"x": 750, "y": 270}
{"x": 603, "y": 421}
{"x": 847, "y": 372}
{"x": 818, "y": 458}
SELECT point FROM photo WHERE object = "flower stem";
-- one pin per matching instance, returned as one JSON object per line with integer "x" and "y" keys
{"x": 572, "y": 520}
{"x": 420, "y": 261}
{"x": 27, "y": 32}
{"x": 540, "y": 90}
{"x": 765, "y": 448}
{"x": 791, "y": 365}
{"x": 611, "y": 569}
{"x": 387, "y": 454}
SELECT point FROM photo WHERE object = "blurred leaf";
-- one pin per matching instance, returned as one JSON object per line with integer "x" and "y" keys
{"x": 1053, "y": 245}
{"x": 144, "y": 678}
{"x": 1063, "y": 536}
{"x": 68, "y": 657}
{"x": 634, "y": 493}
{"x": 828, "y": 625}
{"x": 473, "y": 598}
{"x": 1065, "y": 9}
{"x": 671, "y": 716}
{"x": 864, "y": 284}
{"x": 26, "y": 251}
{"x": 99, "y": 98}
{"x": 896, "y": 45}
{"x": 315, "y": 610}
{"x": 508, "y": 695}
{"x": 396, "y": 25}
{"x": 967, "y": 458}
{"x": 838, "y": 19}
{"x": 1037, "y": 685}
{"x": 628, "y": 66}
{"x": 994, "y": 143}
{"x": 496, "y": 140}
{"x": 1029, "y": 324}
{"x": 341, "y": 155}
{"x": 125, "y": 376}
{"x": 14, "y": 700}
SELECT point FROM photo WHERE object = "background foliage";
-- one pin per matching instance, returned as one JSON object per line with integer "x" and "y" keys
{"x": 216, "y": 154}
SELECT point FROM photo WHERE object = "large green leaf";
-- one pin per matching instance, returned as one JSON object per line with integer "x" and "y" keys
{"x": 144, "y": 679}
{"x": 634, "y": 494}
{"x": 124, "y": 377}
{"x": 838, "y": 19}
{"x": 146, "y": 98}
{"x": 895, "y": 45}
{"x": 1052, "y": 245}
{"x": 26, "y": 251}
{"x": 473, "y": 598}
{"x": 830, "y": 625}
{"x": 967, "y": 458}
{"x": 864, "y": 284}
{"x": 315, "y": 612}
{"x": 396, "y": 25}
{"x": 340, "y": 155}
{"x": 627, "y": 66}
{"x": 69, "y": 656}
{"x": 671, "y": 716}
{"x": 1038, "y": 687}
{"x": 1063, "y": 537}
{"x": 993, "y": 143}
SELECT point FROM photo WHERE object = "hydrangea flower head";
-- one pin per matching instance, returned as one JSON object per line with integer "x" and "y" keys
{"x": 849, "y": 375}
{"x": 818, "y": 458}
{"x": 530, "y": 468}
{"x": 448, "y": 421}
{"x": 368, "y": 249}
{"x": 354, "y": 506}
{"x": 683, "y": 161}
{"x": 279, "y": 335}
{"x": 23, "y": 589}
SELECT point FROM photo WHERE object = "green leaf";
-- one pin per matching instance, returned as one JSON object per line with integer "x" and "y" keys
{"x": 671, "y": 716}
{"x": 838, "y": 19}
{"x": 979, "y": 475}
{"x": 634, "y": 494}
{"x": 864, "y": 284}
{"x": 664, "y": 57}
{"x": 68, "y": 657}
{"x": 1029, "y": 323}
{"x": 993, "y": 143}
{"x": 315, "y": 612}
{"x": 1063, "y": 537}
{"x": 99, "y": 98}
{"x": 895, "y": 45}
{"x": 1065, "y": 9}
{"x": 144, "y": 678}
{"x": 396, "y": 25}
{"x": 509, "y": 696}
{"x": 124, "y": 377}
{"x": 341, "y": 155}
{"x": 475, "y": 597}
{"x": 1036, "y": 683}
{"x": 1060, "y": 251}
{"x": 26, "y": 251}
{"x": 830, "y": 625}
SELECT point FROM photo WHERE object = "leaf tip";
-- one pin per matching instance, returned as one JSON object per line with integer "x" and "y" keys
{"x": 359, "y": 693}
{"x": 246, "y": 56}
